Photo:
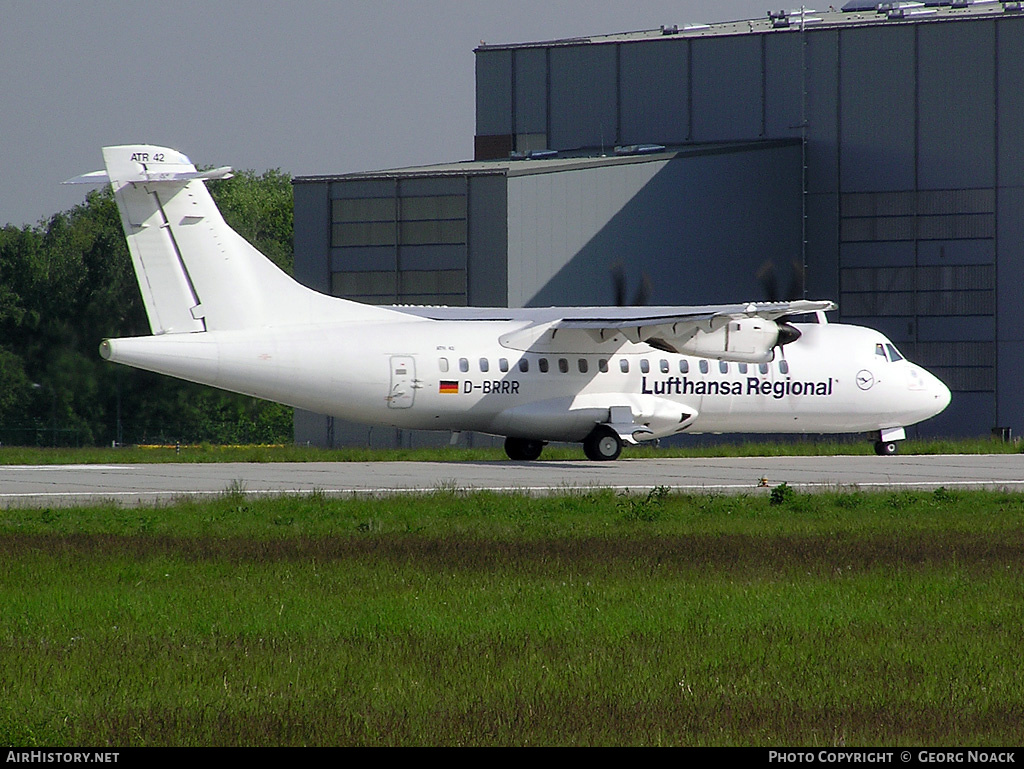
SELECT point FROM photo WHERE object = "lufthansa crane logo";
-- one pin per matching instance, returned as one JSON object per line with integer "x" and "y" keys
{"x": 865, "y": 379}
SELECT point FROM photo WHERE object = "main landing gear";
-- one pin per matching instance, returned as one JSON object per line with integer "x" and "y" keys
{"x": 602, "y": 445}
{"x": 886, "y": 448}
{"x": 523, "y": 449}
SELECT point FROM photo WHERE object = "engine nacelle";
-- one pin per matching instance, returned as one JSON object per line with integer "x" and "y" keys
{"x": 747, "y": 340}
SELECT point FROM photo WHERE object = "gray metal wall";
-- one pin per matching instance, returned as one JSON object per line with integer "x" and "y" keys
{"x": 915, "y": 182}
{"x": 400, "y": 240}
{"x": 1009, "y": 223}
{"x": 697, "y": 227}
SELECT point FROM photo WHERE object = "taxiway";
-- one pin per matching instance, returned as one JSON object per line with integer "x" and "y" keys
{"x": 53, "y": 485}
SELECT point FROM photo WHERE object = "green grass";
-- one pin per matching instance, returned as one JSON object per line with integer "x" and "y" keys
{"x": 15, "y": 455}
{"x": 483, "y": 619}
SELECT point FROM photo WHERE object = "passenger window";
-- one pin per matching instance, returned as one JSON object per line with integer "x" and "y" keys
{"x": 542, "y": 364}
{"x": 484, "y": 365}
{"x": 442, "y": 364}
{"x": 684, "y": 366}
{"x": 664, "y": 366}
{"x": 602, "y": 365}
{"x": 563, "y": 365}
{"x": 645, "y": 366}
{"x": 582, "y": 362}
{"x": 624, "y": 366}
{"x": 703, "y": 366}
{"x": 893, "y": 354}
{"x": 784, "y": 366}
{"x": 463, "y": 364}
{"x": 503, "y": 364}
{"x": 743, "y": 368}
{"x": 524, "y": 365}
{"x": 762, "y": 367}
{"x": 723, "y": 367}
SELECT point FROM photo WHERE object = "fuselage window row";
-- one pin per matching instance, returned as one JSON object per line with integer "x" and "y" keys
{"x": 583, "y": 365}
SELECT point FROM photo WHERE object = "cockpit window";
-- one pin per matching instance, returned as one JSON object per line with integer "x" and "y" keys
{"x": 893, "y": 353}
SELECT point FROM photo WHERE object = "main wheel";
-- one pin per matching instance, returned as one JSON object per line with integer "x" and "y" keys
{"x": 886, "y": 448}
{"x": 523, "y": 449}
{"x": 602, "y": 445}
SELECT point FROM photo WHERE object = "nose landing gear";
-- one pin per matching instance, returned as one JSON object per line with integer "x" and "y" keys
{"x": 886, "y": 448}
{"x": 887, "y": 441}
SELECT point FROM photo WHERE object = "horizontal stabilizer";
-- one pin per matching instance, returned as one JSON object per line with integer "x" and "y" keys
{"x": 93, "y": 177}
{"x": 145, "y": 177}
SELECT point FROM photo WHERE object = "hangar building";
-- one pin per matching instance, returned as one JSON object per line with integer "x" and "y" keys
{"x": 870, "y": 156}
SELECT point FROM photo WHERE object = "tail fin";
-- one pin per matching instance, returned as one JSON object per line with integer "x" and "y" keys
{"x": 195, "y": 272}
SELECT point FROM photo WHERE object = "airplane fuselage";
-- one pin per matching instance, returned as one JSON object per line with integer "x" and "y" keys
{"x": 435, "y": 375}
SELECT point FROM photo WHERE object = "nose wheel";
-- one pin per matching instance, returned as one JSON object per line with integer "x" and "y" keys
{"x": 602, "y": 445}
{"x": 886, "y": 448}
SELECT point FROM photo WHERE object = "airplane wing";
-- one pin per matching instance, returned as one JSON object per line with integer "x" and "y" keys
{"x": 746, "y": 333}
{"x": 641, "y": 323}
{"x": 688, "y": 329}
{"x": 738, "y": 332}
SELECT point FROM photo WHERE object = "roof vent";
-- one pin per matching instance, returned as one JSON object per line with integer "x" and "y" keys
{"x": 639, "y": 149}
{"x": 533, "y": 155}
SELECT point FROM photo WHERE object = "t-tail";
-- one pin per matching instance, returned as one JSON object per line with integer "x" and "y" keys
{"x": 221, "y": 313}
{"x": 196, "y": 273}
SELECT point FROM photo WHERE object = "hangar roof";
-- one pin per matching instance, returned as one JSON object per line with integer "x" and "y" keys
{"x": 542, "y": 163}
{"x": 855, "y": 13}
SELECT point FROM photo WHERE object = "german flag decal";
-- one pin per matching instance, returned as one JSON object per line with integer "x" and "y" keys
{"x": 448, "y": 387}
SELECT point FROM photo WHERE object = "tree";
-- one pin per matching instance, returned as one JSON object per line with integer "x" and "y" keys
{"x": 68, "y": 283}
{"x": 260, "y": 209}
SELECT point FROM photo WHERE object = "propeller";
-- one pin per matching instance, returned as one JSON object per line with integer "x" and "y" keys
{"x": 768, "y": 277}
{"x": 619, "y": 283}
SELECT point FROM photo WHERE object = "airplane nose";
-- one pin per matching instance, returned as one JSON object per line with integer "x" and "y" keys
{"x": 942, "y": 394}
{"x": 938, "y": 394}
{"x": 930, "y": 394}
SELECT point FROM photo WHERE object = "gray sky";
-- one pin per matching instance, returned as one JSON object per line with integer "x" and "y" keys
{"x": 307, "y": 87}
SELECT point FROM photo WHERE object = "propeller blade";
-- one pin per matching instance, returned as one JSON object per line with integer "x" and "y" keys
{"x": 796, "y": 280}
{"x": 643, "y": 291}
{"x": 769, "y": 282}
{"x": 619, "y": 284}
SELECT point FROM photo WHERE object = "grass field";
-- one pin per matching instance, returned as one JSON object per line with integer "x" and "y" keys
{"x": 483, "y": 619}
{"x": 16, "y": 455}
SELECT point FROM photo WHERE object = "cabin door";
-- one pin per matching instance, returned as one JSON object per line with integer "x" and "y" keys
{"x": 403, "y": 382}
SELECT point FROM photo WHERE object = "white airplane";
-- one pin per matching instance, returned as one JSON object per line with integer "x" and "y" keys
{"x": 223, "y": 315}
